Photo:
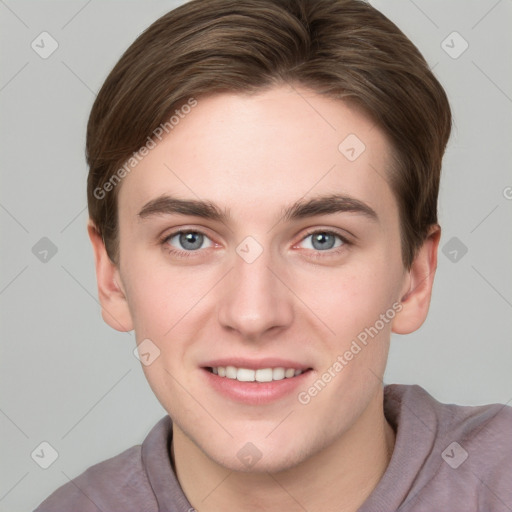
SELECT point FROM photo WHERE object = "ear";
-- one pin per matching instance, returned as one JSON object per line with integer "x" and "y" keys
{"x": 417, "y": 289}
{"x": 114, "y": 307}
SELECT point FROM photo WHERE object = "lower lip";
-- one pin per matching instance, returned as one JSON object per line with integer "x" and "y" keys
{"x": 255, "y": 393}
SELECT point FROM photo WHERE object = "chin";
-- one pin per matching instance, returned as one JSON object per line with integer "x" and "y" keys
{"x": 262, "y": 463}
{"x": 247, "y": 454}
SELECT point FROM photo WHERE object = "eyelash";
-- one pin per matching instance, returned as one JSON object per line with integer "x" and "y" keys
{"x": 173, "y": 250}
{"x": 316, "y": 254}
{"x": 329, "y": 252}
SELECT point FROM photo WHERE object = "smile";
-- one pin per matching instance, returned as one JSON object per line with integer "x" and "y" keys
{"x": 257, "y": 375}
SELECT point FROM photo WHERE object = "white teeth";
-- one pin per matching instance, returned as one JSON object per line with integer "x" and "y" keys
{"x": 278, "y": 374}
{"x": 264, "y": 375}
{"x": 260, "y": 375}
{"x": 245, "y": 375}
{"x": 230, "y": 372}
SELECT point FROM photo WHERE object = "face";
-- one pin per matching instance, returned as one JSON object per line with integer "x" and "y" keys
{"x": 257, "y": 237}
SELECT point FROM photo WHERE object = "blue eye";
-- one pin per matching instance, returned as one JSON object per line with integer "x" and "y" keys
{"x": 189, "y": 240}
{"x": 323, "y": 241}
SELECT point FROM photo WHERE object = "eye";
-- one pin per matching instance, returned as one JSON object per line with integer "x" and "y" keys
{"x": 188, "y": 240}
{"x": 323, "y": 241}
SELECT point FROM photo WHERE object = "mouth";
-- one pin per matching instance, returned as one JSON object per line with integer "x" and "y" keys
{"x": 256, "y": 375}
{"x": 255, "y": 383}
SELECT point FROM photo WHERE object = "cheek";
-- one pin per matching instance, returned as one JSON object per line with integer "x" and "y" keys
{"x": 160, "y": 299}
{"x": 353, "y": 297}
{"x": 358, "y": 308}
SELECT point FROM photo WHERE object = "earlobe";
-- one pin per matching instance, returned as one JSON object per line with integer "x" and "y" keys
{"x": 114, "y": 306}
{"x": 420, "y": 279}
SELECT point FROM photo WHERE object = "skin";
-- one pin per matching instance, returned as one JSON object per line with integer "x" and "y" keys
{"x": 253, "y": 156}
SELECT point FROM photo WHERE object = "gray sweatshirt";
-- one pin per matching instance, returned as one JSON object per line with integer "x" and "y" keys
{"x": 446, "y": 458}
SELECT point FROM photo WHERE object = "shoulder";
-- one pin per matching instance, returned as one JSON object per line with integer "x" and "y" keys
{"x": 118, "y": 483}
{"x": 485, "y": 429}
{"x": 483, "y": 436}
{"x": 466, "y": 450}
{"x": 486, "y": 423}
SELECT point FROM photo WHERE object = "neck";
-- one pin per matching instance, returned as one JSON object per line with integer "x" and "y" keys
{"x": 338, "y": 478}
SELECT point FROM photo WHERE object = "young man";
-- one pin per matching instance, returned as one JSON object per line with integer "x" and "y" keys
{"x": 262, "y": 196}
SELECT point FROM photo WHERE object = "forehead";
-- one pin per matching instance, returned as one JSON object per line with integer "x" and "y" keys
{"x": 268, "y": 149}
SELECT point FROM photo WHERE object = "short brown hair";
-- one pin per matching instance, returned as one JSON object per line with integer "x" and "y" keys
{"x": 343, "y": 49}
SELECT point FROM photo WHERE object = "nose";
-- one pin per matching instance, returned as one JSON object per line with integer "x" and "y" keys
{"x": 255, "y": 301}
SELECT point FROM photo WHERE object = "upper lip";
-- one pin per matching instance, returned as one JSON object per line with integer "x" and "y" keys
{"x": 254, "y": 364}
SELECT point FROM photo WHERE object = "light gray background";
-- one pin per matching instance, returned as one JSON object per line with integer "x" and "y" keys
{"x": 69, "y": 379}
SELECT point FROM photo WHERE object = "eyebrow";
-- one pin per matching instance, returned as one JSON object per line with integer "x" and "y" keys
{"x": 323, "y": 205}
